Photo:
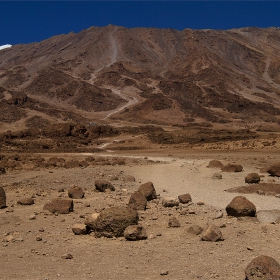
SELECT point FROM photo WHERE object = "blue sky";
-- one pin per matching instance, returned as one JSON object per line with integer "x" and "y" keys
{"x": 34, "y": 21}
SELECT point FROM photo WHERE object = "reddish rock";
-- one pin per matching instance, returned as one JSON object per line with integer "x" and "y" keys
{"x": 72, "y": 164}
{"x": 26, "y": 201}
{"x": 274, "y": 169}
{"x": 76, "y": 192}
{"x": 2, "y": 198}
{"x": 90, "y": 221}
{"x": 232, "y": 168}
{"x": 148, "y": 190}
{"x": 252, "y": 178}
{"x": 263, "y": 268}
{"x": 102, "y": 185}
{"x": 113, "y": 221}
{"x": 137, "y": 201}
{"x": 170, "y": 202}
{"x": 211, "y": 233}
{"x": 60, "y": 206}
{"x": 240, "y": 206}
{"x": 185, "y": 198}
{"x": 135, "y": 232}
{"x": 215, "y": 164}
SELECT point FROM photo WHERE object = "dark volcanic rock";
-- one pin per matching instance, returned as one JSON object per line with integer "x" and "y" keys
{"x": 2, "y": 198}
{"x": 148, "y": 190}
{"x": 102, "y": 185}
{"x": 113, "y": 221}
{"x": 263, "y": 268}
{"x": 135, "y": 232}
{"x": 60, "y": 206}
{"x": 137, "y": 201}
{"x": 76, "y": 192}
{"x": 2, "y": 170}
{"x": 252, "y": 178}
{"x": 232, "y": 168}
{"x": 185, "y": 198}
{"x": 240, "y": 206}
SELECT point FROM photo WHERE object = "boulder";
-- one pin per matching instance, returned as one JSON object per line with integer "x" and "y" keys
{"x": 274, "y": 169}
{"x": 60, "y": 206}
{"x": 232, "y": 168}
{"x": 91, "y": 220}
{"x": 215, "y": 164}
{"x": 79, "y": 229}
{"x": 195, "y": 230}
{"x": 185, "y": 198}
{"x": 148, "y": 190}
{"x": 113, "y": 221}
{"x": 76, "y": 192}
{"x": 252, "y": 178}
{"x": 102, "y": 185}
{"x": 135, "y": 232}
{"x": 2, "y": 198}
{"x": 170, "y": 202}
{"x": 26, "y": 201}
{"x": 137, "y": 201}
{"x": 240, "y": 206}
{"x": 211, "y": 233}
{"x": 173, "y": 222}
{"x": 269, "y": 216}
{"x": 263, "y": 268}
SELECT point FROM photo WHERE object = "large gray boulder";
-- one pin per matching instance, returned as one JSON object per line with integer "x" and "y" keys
{"x": 113, "y": 221}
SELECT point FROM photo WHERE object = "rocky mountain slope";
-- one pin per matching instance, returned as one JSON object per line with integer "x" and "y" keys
{"x": 144, "y": 75}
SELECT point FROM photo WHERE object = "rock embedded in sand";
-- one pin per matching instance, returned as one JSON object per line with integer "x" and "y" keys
{"x": 76, "y": 192}
{"x": 135, "y": 232}
{"x": 274, "y": 169}
{"x": 263, "y": 267}
{"x": 148, "y": 190}
{"x": 113, "y": 221}
{"x": 102, "y": 185}
{"x": 2, "y": 170}
{"x": 240, "y": 206}
{"x": 137, "y": 201}
{"x": 195, "y": 230}
{"x": 2, "y": 198}
{"x": 232, "y": 168}
{"x": 185, "y": 198}
{"x": 211, "y": 233}
{"x": 60, "y": 206}
{"x": 170, "y": 202}
{"x": 26, "y": 201}
{"x": 252, "y": 178}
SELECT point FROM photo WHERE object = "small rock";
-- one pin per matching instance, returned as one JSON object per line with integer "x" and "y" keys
{"x": 170, "y": 202}
{"x": 219, "y": 215}
{"x": 211, "y": 233}
{"x": 102, "y": 185}
{"x": 240, "y": 206}
{"x": 137, "y": 201}
{"x": 67, "y": 256}
{"x": 217, "y": 176}
{"x": 148, "y": 191}
{"x": 39, "y": 238}
{"x": 195, "y": 230}
{"x": 79, "y": 229}
{"x": 252, "y": 178}
{"x": 164, "y": 272}
{"x": 135, "y": 232}
{"x": 26, "y": 201}
{"x": 173, "y": 222}
{"x": 76, "y": 192}
{"x": 32, "y": 217}
{"x": 60, "y": 206}
{"x": 185, "y": 198}
{"x": 2, "y": 198}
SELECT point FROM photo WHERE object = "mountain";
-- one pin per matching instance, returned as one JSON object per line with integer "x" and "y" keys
{"x": 144, "y": 76}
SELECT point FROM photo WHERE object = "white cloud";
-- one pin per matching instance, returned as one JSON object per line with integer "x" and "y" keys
{"x": 5, "y": 47}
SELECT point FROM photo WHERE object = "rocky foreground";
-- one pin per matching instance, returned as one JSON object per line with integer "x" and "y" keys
{"x": 100, "y": 221}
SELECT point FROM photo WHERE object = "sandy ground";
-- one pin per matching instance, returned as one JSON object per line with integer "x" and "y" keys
{"x": 171, "y": 250}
